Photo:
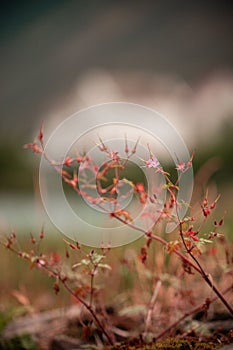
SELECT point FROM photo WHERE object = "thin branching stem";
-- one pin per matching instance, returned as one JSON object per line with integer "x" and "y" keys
{"x": 201, "y": 271}
{"x": 191, "y": 312}
{"x": 151, "y": 307}
{"x": 196, "y": 266}
{"x": 57, "y": 275}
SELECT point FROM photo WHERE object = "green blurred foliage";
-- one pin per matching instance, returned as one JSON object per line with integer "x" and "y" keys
{"x": 24, "y": 342}
{"x": 222, "y": 149}
{"x": 16, "y": 172}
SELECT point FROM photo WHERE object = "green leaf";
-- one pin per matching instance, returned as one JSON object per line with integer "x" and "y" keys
{"x": 97, "y": 258}
{"x": 104, "y": 266}
{"x": 128, "y": 182}
{"x": 204, "y": 240}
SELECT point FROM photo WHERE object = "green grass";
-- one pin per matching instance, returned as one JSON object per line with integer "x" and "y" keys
{"x": 23, "y": 342}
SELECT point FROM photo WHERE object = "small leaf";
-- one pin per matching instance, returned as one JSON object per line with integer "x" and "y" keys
{"x": 97, "y": 258}
{"x": 173, "y": 245}
{"x": 105, "y": 266}
{"x": 85, "y": 262}
{"x": 126, "y": 181}
{"x": 204, "y": 240}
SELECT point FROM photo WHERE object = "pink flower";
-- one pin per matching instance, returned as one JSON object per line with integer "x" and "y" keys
{"x": 114, "y": 156}
{"x": 152, "y": 163}
{"x": 181, "y": 166}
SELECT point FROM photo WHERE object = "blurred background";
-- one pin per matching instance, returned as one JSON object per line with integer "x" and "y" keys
{"x": 60, "y": 56}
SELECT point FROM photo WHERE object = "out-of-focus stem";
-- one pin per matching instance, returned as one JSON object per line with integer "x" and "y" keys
{"x": 196, "y": 266}
{"x": 191, "y": 312}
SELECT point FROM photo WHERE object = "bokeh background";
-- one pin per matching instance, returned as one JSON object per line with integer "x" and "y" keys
{"x": 60, "y": 56}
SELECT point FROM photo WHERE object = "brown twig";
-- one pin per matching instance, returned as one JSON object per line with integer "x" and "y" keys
{"x": 57, "y": 275}
{"x": 196, "y": 266}
{"x": 151, "y": 307}
{"x": 191, "y": 312}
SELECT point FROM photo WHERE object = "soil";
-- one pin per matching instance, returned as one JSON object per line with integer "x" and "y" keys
{"x": 71, "y": 328}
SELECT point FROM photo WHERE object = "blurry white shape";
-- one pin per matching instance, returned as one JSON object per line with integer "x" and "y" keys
{"x": 197, "y": 111}
{"x": 98, "y": 87}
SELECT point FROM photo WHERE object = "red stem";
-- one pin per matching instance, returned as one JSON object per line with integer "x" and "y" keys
{"x": 195, "y": 266}
{"x": 67, "y": 287}
{"x": 194, "y": 310}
